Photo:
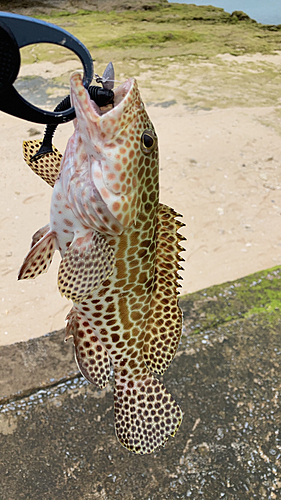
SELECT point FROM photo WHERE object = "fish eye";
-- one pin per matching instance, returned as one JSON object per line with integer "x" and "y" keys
{"x": 148, "y": 141}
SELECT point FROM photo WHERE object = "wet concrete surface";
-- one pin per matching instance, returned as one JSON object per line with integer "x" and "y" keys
{"x": 59, "y": 441}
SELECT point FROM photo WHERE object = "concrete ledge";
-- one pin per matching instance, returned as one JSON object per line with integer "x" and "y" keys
{"x": 26, "y": 367}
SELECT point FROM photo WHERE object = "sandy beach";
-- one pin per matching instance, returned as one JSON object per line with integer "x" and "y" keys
{"x": 219, "y": 167}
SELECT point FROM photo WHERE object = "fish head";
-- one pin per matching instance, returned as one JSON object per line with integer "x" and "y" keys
{"x": 115, "y": 152}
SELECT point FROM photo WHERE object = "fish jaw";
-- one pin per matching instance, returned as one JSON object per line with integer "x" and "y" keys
{"x": 99, "y": 127}
{"x": 102, "y": 157}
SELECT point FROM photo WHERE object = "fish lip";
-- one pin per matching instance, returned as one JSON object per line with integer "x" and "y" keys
{"x": 122, "y": 91}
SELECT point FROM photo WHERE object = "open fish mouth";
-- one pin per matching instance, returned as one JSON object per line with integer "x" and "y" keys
{"x": 119, "y": 95}
{"x": 103, "y": 99}
{"x": 98, "y": 127}
{"x": 84, "y": 106}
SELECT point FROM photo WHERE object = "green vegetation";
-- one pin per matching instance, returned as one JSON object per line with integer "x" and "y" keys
{"x": 177, "y": 30}
{"x": 184, "y": 48}
{"x": 257, "y": 296}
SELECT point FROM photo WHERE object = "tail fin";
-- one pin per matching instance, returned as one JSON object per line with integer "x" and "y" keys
{"x": 146, "y": 415}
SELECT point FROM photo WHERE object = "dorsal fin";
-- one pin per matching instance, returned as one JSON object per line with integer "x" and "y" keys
{"x": 165, "y": 324}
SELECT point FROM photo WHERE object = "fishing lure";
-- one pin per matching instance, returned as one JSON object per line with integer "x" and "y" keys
{"x": 120, "y": 259}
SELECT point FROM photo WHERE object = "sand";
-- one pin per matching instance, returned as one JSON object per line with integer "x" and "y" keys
{"x": 220, "y": 168}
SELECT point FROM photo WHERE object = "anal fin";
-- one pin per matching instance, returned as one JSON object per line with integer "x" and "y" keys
{"x": 165, "y": 325}
{"x": 39, "y": 258}
{"x": 47, "y": 166}
{"x": 90, "y": 354}
{"x": 87, "y": 262}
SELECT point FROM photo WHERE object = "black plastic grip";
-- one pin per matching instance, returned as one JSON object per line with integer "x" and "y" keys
{"x": 9, "y": 57}
{"x": 17, "y": 31}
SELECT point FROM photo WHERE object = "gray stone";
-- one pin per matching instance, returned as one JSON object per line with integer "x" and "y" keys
{"x": 42, "y": 362}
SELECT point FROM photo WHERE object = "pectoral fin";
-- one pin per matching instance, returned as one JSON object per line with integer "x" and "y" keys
{"x": 39, "y": 234}
{"x": 39, "y": 257}
{"x": 47, "y": 166}
{"x": 87, "y": 262}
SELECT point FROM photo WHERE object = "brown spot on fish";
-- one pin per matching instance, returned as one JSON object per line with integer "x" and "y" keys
{"x": 111, "y": 176}
{"x": 116, "y": 205}
{"x": 68, "y": 222}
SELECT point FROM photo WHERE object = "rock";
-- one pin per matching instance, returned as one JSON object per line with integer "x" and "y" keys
{"x": 239, "y": 15}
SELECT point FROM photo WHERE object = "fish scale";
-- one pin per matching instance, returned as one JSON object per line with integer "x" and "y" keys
{"x": 120, "y": 261}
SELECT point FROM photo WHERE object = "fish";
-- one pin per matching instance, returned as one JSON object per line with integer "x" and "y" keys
{"x": 120, "y": 259}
